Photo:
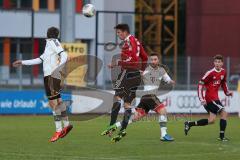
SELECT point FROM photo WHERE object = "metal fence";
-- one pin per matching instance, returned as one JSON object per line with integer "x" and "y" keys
{"x": 189, "y": 72}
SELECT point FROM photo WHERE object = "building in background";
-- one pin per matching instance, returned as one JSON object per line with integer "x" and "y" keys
{"x": 26, "y": 22}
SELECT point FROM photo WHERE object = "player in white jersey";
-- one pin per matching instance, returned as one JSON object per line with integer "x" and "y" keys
{"x": 53, "y": 58}
{"x": 151, "y": 77}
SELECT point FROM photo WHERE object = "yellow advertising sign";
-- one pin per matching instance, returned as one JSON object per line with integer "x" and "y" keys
{"x": 76, "y": 69}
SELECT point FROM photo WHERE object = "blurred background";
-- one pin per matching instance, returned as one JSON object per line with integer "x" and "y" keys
{"x": 185, "y": 33}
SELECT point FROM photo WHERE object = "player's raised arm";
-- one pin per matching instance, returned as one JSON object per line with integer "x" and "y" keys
{"x": 225, "y": 86}
{"x": 35, "y": 61}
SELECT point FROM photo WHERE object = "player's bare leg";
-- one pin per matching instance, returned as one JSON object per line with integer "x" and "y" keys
{"x": 67, "y": 127}
{"x": 202, "y": 122}
{"x": 223, "y": 125}
{"x": 57, "y": 118}
{"x": 161, "y": 110}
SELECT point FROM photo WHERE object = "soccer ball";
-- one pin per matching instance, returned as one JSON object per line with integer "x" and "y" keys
{"x": 89, "y": 10}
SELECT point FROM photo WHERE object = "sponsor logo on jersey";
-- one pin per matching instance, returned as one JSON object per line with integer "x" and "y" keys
{"x": 222, "y": 76}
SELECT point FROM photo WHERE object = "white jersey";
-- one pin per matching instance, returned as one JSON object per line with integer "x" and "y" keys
{"x": 152, "y": 78}
{"x": 51, "y": 55}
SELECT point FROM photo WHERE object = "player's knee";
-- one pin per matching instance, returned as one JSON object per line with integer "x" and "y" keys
{"x": 62, "y": 106}
{"x": 127, "y": 105}
{"x": 211, "y": 120}
{"x": 224, "y": 115}
{"x": 53, "y": 103}
{"x": 116, "y": 98}
{"x": 160, "y": 109}
{"x": 139, "y": 113}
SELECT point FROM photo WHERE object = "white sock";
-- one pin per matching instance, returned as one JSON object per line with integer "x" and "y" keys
{"x": 58, "y": 126}
{"x": 163, "y": 131}
{"x": 118, "y": 124}
{"x": 130, "y": 121}
{"x": 65, "y": 122}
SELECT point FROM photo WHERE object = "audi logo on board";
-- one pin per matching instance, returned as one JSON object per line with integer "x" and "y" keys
{"x": 188, "y": 101}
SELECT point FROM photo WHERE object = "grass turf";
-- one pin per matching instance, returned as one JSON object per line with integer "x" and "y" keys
{"x": 26, "y": 138}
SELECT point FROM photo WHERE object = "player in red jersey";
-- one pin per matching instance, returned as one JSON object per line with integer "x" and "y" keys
{"x": 129, "y": 79}
{"x": 212, "y": 81}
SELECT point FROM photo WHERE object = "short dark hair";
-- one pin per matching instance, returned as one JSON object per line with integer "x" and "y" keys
{"x": 123, "y": 27}
{"x": 218, "y": 57}
{"x": 52, "y": 32}
{"x": 154, "y": 54}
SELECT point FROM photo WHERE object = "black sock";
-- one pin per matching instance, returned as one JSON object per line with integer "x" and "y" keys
{"x": 126, "y": 117}
{"x": 223, "y": 124}
{"x": 192, "y": 123}
{"x": 114, "y": 114}
{"x": 201, "y": 122}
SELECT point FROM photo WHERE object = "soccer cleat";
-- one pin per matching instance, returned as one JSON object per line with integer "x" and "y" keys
{"x": 167, "y": 137}
{"x": 119, "y": 136}
{"x": 66, "y": 130}
{"x": 56, "y": 136}
{"x": 186, "y": 127}
{"x": 223, "y": 139}
{"x": 109, "y": 130}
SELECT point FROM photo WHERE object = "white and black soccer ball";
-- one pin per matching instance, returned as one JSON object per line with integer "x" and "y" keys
{"x": 88, "y": 10}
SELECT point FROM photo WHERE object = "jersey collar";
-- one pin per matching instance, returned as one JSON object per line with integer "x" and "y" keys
{"x": 217, "y": 70}
{"x": 153, "y": 68}
{"x": 49, "y": 39}
{"x": 127, "y": 37}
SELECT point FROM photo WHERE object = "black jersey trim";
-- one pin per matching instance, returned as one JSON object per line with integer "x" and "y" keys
{"x": 60, "y": 52}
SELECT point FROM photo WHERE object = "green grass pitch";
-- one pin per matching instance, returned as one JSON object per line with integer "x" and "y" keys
{"x": 26, "y": 138}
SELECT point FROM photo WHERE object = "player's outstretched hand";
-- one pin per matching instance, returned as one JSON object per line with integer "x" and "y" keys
{"x": 203, "y": 102}
{"x": 172, "y": 82}
{"x": 17, "y": 63}
{"x": 230, "y": 93}
{"x": 110, "y": 66}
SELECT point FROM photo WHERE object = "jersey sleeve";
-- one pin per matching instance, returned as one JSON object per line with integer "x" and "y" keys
{"x": 167, "y": 78}
{"x": 56, "y": 46}
{"x": 204, "y": 80}
{"x": 224, "y": 84}
{"x": 32, "y": 61}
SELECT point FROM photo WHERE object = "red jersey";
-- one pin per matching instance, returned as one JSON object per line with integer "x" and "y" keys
{"x": 132, "y": 51}
{"x": 212, "y": 80}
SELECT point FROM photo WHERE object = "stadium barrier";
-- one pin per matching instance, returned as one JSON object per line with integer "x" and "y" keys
{"x": 35, "y": 102}
{"x": 25, "y": 102}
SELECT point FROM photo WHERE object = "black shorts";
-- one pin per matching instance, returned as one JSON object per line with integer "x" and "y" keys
{"x": 52, "y": 87}
{"x": 149, "y": 102}
{"x": 126, "y": 85}
{"x": 214, "y": 107}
